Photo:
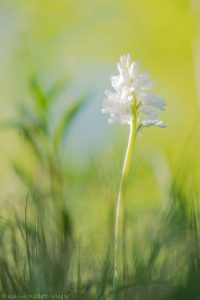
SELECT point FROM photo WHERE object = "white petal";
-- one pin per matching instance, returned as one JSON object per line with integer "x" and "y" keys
{"x": 142, "y": 82}
{"x": 149, "y": 123}
{"x": 154, "y": 101}
{"x": 128, "y": 60}
{"x": 134, "y": 69}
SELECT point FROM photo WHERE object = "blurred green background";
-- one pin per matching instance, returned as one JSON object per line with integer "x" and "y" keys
{"x": 80, "y": 41}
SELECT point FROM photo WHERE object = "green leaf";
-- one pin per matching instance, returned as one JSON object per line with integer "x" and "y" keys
{"x": 40, "y": 98}
{"x": 68, "y": 117}
{"x": 11, "y": 124}
{"x": 56, "y": 88}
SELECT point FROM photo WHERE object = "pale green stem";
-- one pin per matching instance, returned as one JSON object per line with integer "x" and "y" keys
{"x": 121, "y": 203}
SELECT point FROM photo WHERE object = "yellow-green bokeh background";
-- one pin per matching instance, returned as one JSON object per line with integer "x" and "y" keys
{"x": 82, "y": 40}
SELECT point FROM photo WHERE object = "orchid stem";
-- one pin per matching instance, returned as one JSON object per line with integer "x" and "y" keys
{"x": 119, "y": 222}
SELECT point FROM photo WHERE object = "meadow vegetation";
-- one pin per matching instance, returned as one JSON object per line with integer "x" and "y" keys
{"x": 61, "y": 163}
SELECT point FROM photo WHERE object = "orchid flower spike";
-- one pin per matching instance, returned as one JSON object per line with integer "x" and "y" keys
{"x": 131, "y": 102}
